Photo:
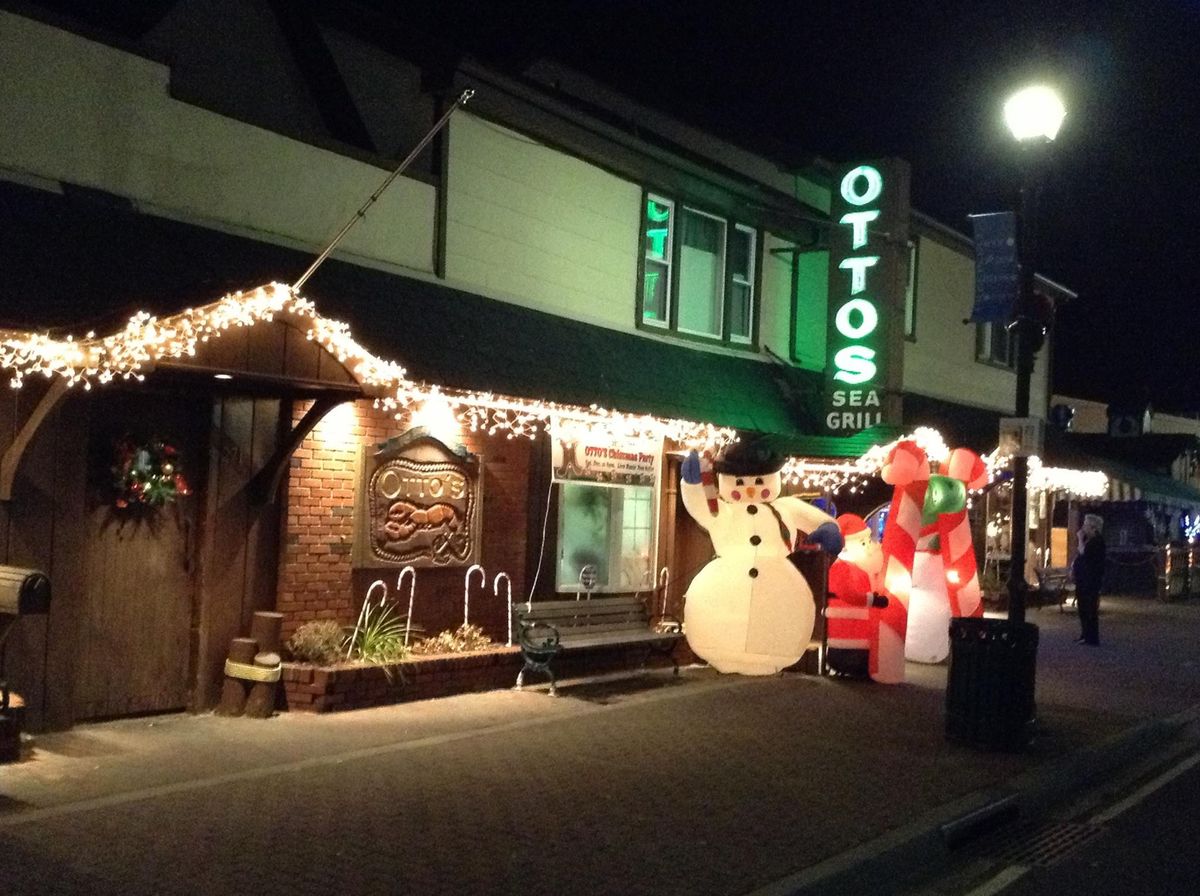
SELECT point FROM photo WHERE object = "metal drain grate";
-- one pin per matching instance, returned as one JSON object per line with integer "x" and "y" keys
{"x": 1040, "y": 845}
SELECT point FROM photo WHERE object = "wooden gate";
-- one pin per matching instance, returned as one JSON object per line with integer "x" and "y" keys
{"x": 135, "y": 652}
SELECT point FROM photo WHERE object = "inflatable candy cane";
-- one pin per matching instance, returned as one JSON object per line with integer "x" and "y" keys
{"x": 954, "y": 533}
{"x": 929, "y": 561}
{"x": 907, "y": 469}
{"x": 708, "y": 480}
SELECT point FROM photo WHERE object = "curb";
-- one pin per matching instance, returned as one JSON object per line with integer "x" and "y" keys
{"x": 933, "y": 838}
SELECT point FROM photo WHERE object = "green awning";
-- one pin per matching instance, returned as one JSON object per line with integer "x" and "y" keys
{"x": 1127, "y": 482}
{"x": 464, "y": 341}
{"x": 855, "y": 445}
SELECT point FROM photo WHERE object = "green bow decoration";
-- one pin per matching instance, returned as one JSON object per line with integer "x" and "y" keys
{"x": 944, "y": 495}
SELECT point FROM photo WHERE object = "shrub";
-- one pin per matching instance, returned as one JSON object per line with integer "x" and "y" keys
{"x": 321, "y": 642}
{"x": 461, "y": 640}
{"x": 379, "y": 636}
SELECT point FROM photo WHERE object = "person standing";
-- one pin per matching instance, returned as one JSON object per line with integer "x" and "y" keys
{"x": 1088, "y": 572}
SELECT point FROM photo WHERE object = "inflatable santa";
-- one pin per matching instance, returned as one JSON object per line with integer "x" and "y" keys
{"x": 864, "y": 628}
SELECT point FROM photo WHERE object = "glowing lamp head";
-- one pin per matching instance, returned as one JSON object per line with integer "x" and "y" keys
{"x": 1034, "y": 114}
{"x": 437, "y": 417}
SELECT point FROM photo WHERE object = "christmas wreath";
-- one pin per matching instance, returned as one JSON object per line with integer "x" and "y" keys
{"x": 147, "y": 474}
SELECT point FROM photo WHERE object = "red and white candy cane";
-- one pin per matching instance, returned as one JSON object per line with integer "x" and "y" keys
{"x": 708, "y": 479}
{"x": 907, "y": 469}
{"x": 954, "y": 533}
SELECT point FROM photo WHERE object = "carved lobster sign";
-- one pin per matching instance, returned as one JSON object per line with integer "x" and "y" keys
{"x": 422, "y": 505}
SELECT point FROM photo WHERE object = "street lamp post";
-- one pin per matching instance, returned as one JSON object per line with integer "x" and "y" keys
{"x": 1034, "y": 116}
{"x": 993, "y": 662}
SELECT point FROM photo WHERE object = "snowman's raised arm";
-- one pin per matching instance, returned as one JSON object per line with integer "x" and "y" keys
{"x": 691, "y": 488}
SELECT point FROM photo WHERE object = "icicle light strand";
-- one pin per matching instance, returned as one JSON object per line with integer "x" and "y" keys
{"x": 147, "y": 339}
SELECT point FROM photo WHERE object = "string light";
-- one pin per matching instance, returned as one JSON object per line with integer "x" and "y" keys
{"x": 146, "y": 339}
{"x": 854, "y": 475}
{"x": 1044, "y": 479}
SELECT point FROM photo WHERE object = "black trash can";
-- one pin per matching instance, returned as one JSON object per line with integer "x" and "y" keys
{"x": 990, "y": 688}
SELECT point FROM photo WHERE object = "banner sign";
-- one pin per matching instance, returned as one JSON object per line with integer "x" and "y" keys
{"x": 419, "y": 504}
{"x": 580, "y": 453}
{"x": 1022, "y": 436}
{"x": 997, "y": 270}
{"x": 868, "y": 276}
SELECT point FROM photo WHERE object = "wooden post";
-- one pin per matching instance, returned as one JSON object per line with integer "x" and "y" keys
{"x": 260, "y": 704}
{"x": 234, "y": 691}
{"x": 265, "y": 628}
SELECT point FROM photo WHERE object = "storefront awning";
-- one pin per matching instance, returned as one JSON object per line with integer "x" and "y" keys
{"x": 1128, "y": 481}
{"x": 89, "y": 262}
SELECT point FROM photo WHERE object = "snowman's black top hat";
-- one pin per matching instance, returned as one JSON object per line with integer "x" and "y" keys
{"x": 752, "y": 456}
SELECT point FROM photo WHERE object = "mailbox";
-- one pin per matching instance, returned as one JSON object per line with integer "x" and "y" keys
{"x": 23, "y": 592}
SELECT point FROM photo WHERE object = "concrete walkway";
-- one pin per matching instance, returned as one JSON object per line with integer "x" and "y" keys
{"x": 701, "y": 785}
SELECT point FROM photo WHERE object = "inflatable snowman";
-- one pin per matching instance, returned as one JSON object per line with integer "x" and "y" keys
{"x": 750, "y": 610}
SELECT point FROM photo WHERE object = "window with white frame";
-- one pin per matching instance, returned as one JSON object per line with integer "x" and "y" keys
{"x": 658, "y": 252}
{"x": 699, "y": 272}
{"x": 741, "y": 284}
{"x": 910, "y": 294}
{"x": 605, "y": 537}
{"x": 993, "y": 344}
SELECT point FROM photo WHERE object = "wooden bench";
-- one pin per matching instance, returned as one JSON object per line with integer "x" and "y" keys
{"x": 549, "y": 627}
{"x": 1054, "y": 586}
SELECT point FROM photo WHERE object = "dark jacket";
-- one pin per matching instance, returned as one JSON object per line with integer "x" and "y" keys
{"x": 1088, "y": 567}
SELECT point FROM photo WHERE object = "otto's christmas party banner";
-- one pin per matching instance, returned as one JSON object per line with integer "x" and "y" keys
{"x": 580, "y": 454}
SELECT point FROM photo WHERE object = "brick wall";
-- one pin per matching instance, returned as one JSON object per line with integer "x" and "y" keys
{"x": 316, "y": 577}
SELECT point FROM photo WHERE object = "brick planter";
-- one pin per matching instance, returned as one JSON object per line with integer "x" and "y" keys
{"x": 308, "y": 688}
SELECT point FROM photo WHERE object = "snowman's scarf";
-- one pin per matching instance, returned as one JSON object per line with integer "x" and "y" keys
{"x": 784, "y": 532}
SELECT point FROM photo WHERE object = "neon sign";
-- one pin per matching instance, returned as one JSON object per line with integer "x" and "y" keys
{"x": 870, "y": 211}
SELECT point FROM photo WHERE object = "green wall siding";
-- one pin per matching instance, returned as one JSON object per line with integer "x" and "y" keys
{"x": 540, "y": 228}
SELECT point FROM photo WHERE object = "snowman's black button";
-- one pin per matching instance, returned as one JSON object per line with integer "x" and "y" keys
{"x": 752, "y": 509}
{"x": 753, "y": 573}
{"x": 755, "y": 540}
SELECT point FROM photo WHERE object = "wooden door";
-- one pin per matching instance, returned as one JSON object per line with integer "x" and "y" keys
{"x": 134, "y": 641}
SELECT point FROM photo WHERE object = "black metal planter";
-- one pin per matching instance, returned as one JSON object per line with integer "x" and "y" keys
{"x": 990, "y": 688}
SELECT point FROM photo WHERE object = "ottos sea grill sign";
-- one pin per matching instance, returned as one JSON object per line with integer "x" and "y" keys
{"x": 868, "y": 274}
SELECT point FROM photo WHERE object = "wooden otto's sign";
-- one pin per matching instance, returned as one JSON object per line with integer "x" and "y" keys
{"x": 419, "y": 505}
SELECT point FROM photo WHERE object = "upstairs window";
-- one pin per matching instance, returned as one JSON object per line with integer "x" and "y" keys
{"x": 699, "y": 273}
{"x": 910, "y": 295}
{"x": 741, "y": 284}
{"x": 659, "y": 249}
{"x": 994, "y": 345}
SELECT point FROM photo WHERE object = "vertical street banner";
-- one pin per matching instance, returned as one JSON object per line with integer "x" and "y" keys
{"x": 997, "y": 268}
{"x": 868, "y": 279}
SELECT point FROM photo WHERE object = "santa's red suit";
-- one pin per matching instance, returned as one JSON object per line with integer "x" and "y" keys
{"x": 864, "y": 629}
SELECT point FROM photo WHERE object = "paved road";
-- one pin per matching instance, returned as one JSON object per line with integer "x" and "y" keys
{"x": 706, "y": 785}
{"x": 1151, "y": 848}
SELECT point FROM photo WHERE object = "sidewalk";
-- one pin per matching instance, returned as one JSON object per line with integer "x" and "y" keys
{"x": 704, "y": 785}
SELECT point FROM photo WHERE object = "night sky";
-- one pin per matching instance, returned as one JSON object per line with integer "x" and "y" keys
{"x": 926, "y": 81}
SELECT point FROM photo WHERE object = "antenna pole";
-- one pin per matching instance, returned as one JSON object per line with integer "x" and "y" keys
{"x": 361, "y": 213}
